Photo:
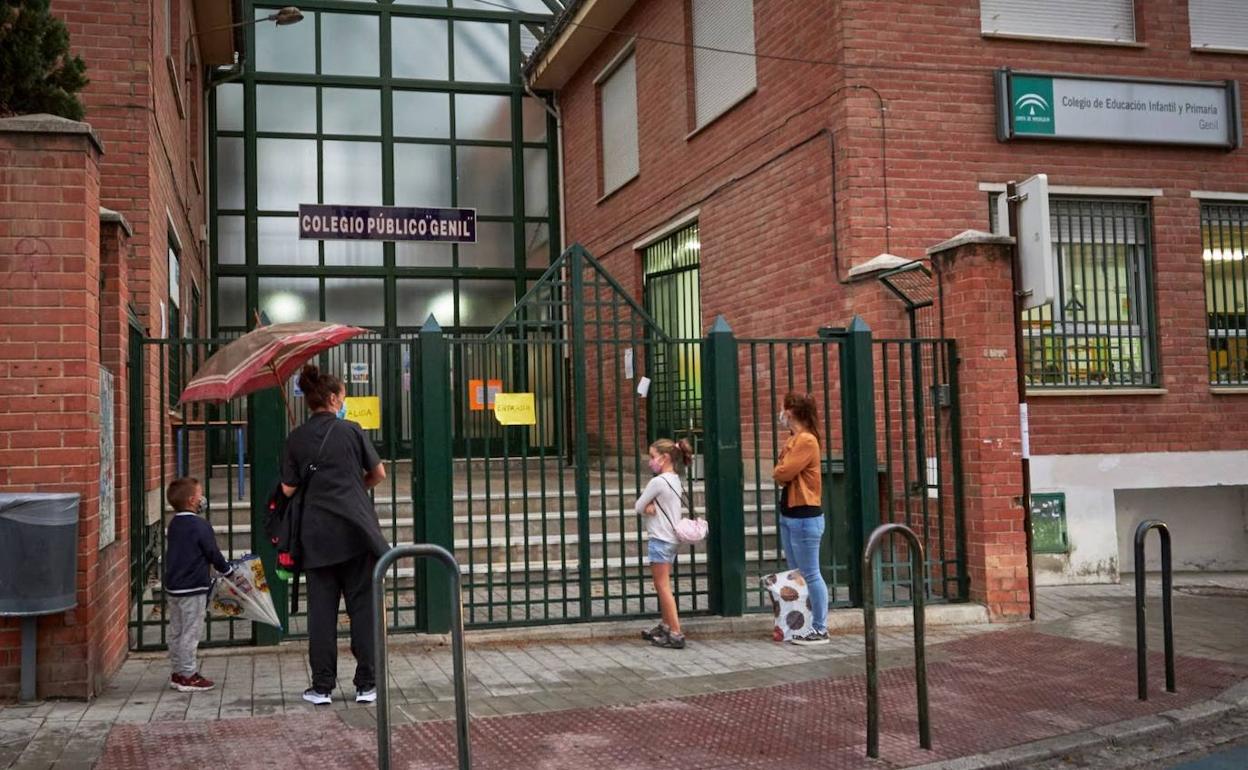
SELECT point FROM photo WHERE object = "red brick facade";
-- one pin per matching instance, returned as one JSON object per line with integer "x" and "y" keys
{"x": 789, "y": 190}
{"x": 69, "y": 285}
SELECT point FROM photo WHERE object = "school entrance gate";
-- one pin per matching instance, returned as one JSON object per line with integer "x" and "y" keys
{"x": 541, "y": 516}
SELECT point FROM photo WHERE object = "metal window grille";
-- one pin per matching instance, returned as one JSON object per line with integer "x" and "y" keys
{"x": 1224, "y": 230}
{"x": 1099, "y": 330}
{"x": 673, "y": 299}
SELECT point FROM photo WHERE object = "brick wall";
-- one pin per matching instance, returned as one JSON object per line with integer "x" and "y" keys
{"x": 50, "y": 356}
{"x": 154, "y": 174}
{"x": 981, "y": 321}
{"x": 789, "y": 184}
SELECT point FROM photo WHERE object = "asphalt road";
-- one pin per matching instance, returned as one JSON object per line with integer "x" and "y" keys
{"x": 1220, "y": 744}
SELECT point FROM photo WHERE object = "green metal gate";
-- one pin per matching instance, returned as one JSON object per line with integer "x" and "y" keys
{"x": 541, "y": 517}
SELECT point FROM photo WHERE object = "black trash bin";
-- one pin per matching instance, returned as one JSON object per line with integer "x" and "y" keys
{"x": 38, "y": 564}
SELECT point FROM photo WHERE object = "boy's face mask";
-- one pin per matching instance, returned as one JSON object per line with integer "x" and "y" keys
{"x": 202, "y": 507}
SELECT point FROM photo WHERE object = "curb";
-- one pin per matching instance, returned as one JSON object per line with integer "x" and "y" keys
{"x": 1233, "y": 699}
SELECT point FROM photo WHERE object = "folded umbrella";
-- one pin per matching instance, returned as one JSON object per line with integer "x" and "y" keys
{"x": 244, "y": 593}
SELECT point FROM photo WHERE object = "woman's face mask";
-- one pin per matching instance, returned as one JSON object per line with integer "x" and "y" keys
{"x": 656, "y": 467}
{"x": 342, "y": 408}
{"x": 783, "y": 419}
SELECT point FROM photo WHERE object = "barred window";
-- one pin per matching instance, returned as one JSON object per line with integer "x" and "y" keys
{"x": 1224, "y": 229}
{"x": 1099, "y": 330}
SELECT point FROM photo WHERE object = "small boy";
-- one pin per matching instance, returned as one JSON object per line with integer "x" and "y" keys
{"x": 191, "y": 548}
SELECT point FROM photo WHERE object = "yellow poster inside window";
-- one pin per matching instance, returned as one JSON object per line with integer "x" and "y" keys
{"x": 515, "y": 409}
{"x": 365, "y": 410}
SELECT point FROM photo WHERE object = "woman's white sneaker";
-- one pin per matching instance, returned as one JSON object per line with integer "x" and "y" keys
{"x": 811, "y": 639}
{"x": 317, "y": 698}
{"x": 366, "y": 696}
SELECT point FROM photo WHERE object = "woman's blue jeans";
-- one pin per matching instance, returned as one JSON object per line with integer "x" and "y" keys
{"x": 800, "y": 538}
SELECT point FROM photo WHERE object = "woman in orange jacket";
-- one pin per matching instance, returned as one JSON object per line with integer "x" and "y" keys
{"x": 798, "y": 471}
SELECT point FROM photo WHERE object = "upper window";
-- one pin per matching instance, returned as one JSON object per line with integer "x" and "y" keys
{"x": 1223, "y": 235}
{"x": 726, "y": 75}
{"x": 1099, "y": 329}
{"x": 1218, "y": 24}
{"x": 1107, "y": 20}
{"x": 617, "y": 103}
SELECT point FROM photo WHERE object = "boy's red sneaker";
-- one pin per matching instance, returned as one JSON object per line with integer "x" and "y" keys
{"x": 176, "y": 680}
{"x": 192, "y": 683}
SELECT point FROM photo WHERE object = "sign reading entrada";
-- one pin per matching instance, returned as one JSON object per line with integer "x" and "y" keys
{"x": 1035, "y": 106}
{"x": 386, "y": 223}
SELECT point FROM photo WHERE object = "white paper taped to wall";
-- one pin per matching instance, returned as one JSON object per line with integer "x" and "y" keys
{"x": 628, "y": 364}
{"x": 643, "y": 387}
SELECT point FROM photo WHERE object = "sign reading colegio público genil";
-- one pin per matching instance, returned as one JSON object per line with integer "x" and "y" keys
{"x": 1078, "y": 107}
{"x": 386, "y": 223}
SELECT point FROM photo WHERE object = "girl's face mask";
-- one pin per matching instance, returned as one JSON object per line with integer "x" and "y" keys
{"x": 656, "y": 467}
{"x": 342, "y": 409}
{"x": 783, "y": 419}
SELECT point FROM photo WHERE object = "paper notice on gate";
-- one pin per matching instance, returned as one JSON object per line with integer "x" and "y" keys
{"x": 628, "y": 364}
{"x": 515, "y": 409}
{"x": 365, "y": 411}
{"x": 1024, "y": 424}
{"x": 643, "y": 387}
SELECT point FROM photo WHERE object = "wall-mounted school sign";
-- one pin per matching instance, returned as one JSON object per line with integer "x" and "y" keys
{"x": 1041, "y": 106}
{"x": 386, "y": 223}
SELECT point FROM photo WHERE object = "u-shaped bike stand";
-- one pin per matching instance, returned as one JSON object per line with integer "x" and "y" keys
{"x": 457, "y": 649}
{"x": 917, "y": 592}
{"x": 1167, "y": 619}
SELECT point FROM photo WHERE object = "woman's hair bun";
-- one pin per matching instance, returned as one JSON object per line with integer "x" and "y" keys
{"x": 309, "y": 378}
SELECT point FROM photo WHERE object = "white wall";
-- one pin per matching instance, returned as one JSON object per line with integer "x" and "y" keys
{"x": 1092, "y": 508}
{"x": 1208, "y": 527}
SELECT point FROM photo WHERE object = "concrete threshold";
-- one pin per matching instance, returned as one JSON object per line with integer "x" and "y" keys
{"x": 841, "y": 622}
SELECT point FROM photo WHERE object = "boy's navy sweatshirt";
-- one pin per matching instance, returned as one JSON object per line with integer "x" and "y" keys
{"x": 191, "y": 549}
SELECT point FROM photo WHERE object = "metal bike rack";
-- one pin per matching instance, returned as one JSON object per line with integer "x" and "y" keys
{"x": 1167, "y": 584}
{"x": 917, "y": 593}
{"x": 457, "y": 649}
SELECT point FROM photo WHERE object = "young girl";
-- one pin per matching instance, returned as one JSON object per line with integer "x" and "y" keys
{"x": 660, "y": 504}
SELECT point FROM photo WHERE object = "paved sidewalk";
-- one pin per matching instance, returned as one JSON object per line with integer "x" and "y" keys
{"x": 573, "y": 703}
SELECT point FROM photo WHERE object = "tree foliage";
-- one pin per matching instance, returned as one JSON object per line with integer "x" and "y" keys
{"x": 37, "y": 72}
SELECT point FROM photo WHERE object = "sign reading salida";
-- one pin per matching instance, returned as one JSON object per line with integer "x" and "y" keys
{"x": 325, "y": 222}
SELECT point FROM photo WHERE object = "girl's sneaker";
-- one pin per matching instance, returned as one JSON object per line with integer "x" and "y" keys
{"x": 811, "y": 639}
{"x": 658, "y": 632}
{"x": 316, "y": 697}
{"x": 670, "y": 641}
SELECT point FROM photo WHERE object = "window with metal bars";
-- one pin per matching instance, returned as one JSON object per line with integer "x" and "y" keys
{"x": 1099, "y": 330}
{"x": 1223, "y": 232}
{"x": 673, "y": 300}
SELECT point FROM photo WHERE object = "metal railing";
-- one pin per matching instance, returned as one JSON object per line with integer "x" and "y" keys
{"x": 457, "y": 650}
{"x": 1167, "y": 584}
{"x": 917, "y": 592}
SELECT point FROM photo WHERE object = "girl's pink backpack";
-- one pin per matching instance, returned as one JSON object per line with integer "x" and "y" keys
{"x": 690, "y": 530}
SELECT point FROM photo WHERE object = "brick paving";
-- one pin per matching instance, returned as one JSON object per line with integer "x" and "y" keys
{"x": 991, "y": 691}
{"x": 600, "y": 698}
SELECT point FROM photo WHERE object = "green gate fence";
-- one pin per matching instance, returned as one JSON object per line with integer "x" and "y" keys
{"x": 541, "y": 517}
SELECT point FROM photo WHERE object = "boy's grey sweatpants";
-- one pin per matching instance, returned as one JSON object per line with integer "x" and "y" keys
{"x": 186, "y": 623}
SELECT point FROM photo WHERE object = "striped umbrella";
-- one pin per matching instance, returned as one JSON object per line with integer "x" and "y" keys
{"x": 265, "y": 357}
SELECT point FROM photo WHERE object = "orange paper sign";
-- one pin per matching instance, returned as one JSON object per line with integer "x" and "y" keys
{"x": 481, "y": 394}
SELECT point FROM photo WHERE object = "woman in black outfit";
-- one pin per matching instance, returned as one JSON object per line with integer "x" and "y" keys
{"x": 340, "y": 538}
